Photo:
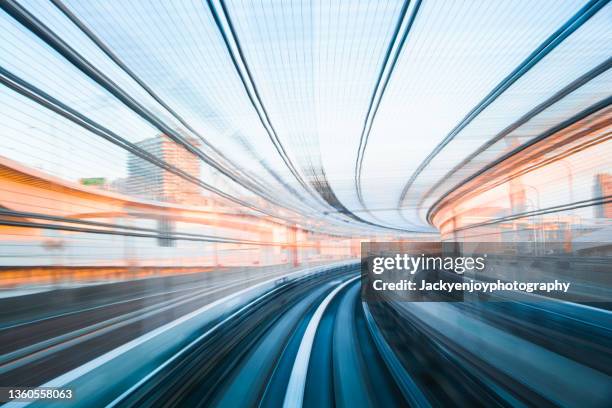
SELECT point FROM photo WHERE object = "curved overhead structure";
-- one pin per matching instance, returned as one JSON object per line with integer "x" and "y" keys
{"x": 356, "y": 117}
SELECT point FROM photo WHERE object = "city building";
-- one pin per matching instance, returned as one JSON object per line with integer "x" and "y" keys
{"x": 603, "y": 188}
{"x": 151, "y": 182}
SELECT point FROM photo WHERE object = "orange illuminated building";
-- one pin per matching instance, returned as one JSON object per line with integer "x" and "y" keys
{"x": 603, "y": 185}
{"x": 151, "y": 182}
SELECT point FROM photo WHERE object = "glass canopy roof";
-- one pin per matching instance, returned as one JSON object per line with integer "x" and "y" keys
{"x": 355, "y": 115}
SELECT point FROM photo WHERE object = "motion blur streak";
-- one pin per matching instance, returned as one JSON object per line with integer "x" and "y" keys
{"x": 186, "y": 185}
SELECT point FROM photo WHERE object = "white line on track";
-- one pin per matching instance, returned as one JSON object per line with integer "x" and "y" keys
{"x": 294, "y": 397}
{"x": 80, "y": 371}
